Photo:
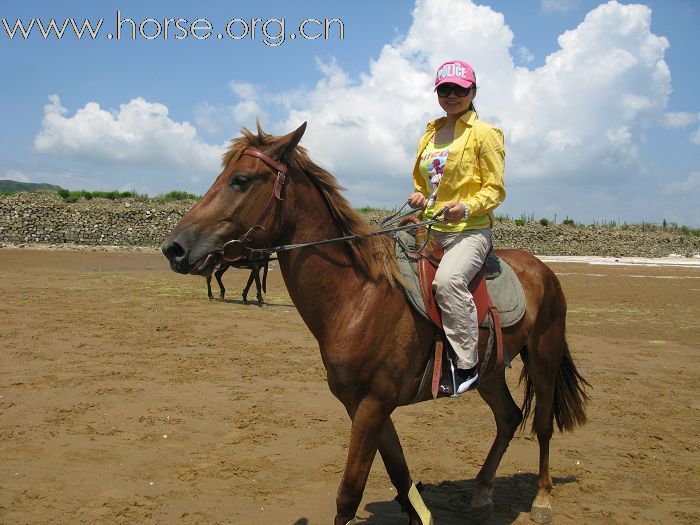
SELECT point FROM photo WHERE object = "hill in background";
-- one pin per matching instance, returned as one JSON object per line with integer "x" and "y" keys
{"x": 12, "y": 186}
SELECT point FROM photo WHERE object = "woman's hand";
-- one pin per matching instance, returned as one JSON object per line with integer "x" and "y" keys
{"x": 417, "y": 200}
{"x": 456, "y": 212}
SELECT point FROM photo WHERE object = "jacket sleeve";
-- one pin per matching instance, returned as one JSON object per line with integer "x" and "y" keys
{"x": 419, "y": 183}
{"x": 491, "y": 162}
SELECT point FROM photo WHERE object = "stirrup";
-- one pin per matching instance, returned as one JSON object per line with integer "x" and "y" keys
{"x": 450, "y": 388}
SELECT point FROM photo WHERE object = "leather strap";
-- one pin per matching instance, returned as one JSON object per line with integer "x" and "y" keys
{"x": 499, "y": 336}
{"x": 253, "y": 152}
{"x": 437, "y": 363}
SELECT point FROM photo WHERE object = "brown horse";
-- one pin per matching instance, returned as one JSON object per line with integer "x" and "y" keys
{"x": 373, "y": 345}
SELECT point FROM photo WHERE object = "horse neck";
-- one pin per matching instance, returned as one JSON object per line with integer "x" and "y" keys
{"x": 322, "y": 281}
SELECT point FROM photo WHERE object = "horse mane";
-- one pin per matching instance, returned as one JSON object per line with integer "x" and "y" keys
{"x": 373, "y": 256}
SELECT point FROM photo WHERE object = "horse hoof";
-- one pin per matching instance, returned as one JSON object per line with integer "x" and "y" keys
{"x": 479, "y": 515}
{"x": 541, "y": 514}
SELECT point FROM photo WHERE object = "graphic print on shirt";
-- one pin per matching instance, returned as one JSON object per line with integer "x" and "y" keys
{"x": 432, "y": 165}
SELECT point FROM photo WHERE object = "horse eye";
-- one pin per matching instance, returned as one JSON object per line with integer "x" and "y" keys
{"x": 239, "y": 181}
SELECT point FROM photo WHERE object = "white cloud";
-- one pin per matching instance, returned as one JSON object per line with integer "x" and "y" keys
{"x": 679, "y": 200}
{"x": 138, "y": 133}
{"x": 679, "y": 119}
{"x": 525, "y": 55}
{"x": 577, "y": 121}
{"x": 690, "y": 187}
{"x": 579, "y": 117}
{"x": 206, "y": 117}
{"x": 695, "y": 137}
{"x": 16, "y": 176}
{"x": 561, "y": 6}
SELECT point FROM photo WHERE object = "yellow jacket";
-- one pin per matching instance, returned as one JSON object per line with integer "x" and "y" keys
{"x": 474, "y": 178}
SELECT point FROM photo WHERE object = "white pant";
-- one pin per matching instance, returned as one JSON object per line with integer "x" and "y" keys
{"x": 465, "y": 253}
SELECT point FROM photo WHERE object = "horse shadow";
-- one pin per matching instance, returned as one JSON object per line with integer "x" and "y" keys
{"x": 449, "y": 502}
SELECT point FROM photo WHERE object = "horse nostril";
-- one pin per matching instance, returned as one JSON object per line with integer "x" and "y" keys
{"x": 174, "y": 251}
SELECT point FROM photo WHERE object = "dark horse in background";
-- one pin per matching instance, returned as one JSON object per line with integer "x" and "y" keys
{"x": 374, "y": 346}
{"x": 254, "y": 267}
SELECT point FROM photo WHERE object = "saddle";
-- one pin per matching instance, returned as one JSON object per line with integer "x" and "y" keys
{"x": 419, "y": 261}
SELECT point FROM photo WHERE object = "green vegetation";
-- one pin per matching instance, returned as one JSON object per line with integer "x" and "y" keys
{"x": 73, "y": 196}
{"x": 8, "y": 187}
{"x": 544, "y": 222}
{"x": 178, "y": 195}
{"x": 695, "y": 232}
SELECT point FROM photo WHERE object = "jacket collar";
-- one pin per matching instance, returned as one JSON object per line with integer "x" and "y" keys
{"x": 466, "y": 120}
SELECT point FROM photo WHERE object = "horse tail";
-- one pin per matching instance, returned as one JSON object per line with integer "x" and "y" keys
{"x": 529, "y": 389}
{"x": 570, "y": 396}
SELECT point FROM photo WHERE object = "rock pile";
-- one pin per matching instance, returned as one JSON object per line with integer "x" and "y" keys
{"x": 46, "y": 218}
{"x": 36, "y": 218}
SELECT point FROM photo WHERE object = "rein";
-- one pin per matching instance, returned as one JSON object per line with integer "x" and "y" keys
{"x": 236, "y": 249}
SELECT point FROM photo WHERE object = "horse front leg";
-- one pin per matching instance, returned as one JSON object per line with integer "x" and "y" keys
{"x": 408, "y": 496}
{"x": 368, "y": 418}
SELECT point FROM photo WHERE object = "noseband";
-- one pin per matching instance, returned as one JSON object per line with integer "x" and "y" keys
{"x": 236, "y": 249}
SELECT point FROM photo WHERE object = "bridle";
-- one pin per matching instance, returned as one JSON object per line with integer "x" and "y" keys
{"x": 237, "y": 249}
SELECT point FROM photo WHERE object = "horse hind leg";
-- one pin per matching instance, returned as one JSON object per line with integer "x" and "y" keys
{"x": 251, "y": 277}
{"x": 559, "y": 393}
{"x": 218, "y": 274}
{"x": 211, "y": 296}
{"x": 494, "y": 390}
{"x": 258, "y": 287}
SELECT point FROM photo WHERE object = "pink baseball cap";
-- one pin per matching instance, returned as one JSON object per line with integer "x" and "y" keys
{"x": 455, "y": 72}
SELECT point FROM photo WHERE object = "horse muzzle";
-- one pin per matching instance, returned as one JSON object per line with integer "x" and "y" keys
{"x": 183, "y": 260}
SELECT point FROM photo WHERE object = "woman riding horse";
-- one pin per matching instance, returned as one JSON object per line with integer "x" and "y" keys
{"x": 374, "y": 346}
{"x": 459, "y": 166}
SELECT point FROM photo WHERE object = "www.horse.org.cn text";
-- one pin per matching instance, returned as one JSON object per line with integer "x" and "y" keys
{"x": 269, "y": 31}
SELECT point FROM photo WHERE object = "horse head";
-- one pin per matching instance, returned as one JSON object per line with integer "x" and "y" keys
{"x": 241, "y": 208}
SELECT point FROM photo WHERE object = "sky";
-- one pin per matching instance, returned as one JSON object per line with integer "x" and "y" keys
{"x": 597, "y": 100}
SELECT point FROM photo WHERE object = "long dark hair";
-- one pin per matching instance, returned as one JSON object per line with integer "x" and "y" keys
{"x": 471, "y": 104}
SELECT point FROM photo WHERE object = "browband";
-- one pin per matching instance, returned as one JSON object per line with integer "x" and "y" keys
{"x": 266, "y": 159}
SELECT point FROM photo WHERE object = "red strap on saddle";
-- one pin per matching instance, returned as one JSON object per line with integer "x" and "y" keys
{"x": 437, "y": 363}
{"x": 500, "y": 362}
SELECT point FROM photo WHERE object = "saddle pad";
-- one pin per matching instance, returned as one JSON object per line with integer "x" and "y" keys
{"x": 505, "y": 289}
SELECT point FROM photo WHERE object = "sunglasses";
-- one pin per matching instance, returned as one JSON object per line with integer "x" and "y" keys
{"x": 444, "y": 90}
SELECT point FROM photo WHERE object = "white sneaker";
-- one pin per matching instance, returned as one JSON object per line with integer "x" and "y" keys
{"x": 466, "y": 379}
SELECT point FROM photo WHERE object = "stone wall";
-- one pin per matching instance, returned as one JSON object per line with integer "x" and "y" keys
{"x": 48, "y": 219}
{"x": 34, "y": 218}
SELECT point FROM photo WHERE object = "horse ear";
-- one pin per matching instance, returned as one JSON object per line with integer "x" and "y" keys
{"x": 285, "y": 145}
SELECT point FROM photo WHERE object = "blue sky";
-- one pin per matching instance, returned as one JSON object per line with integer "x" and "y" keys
{"x": 597, "y": 99}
